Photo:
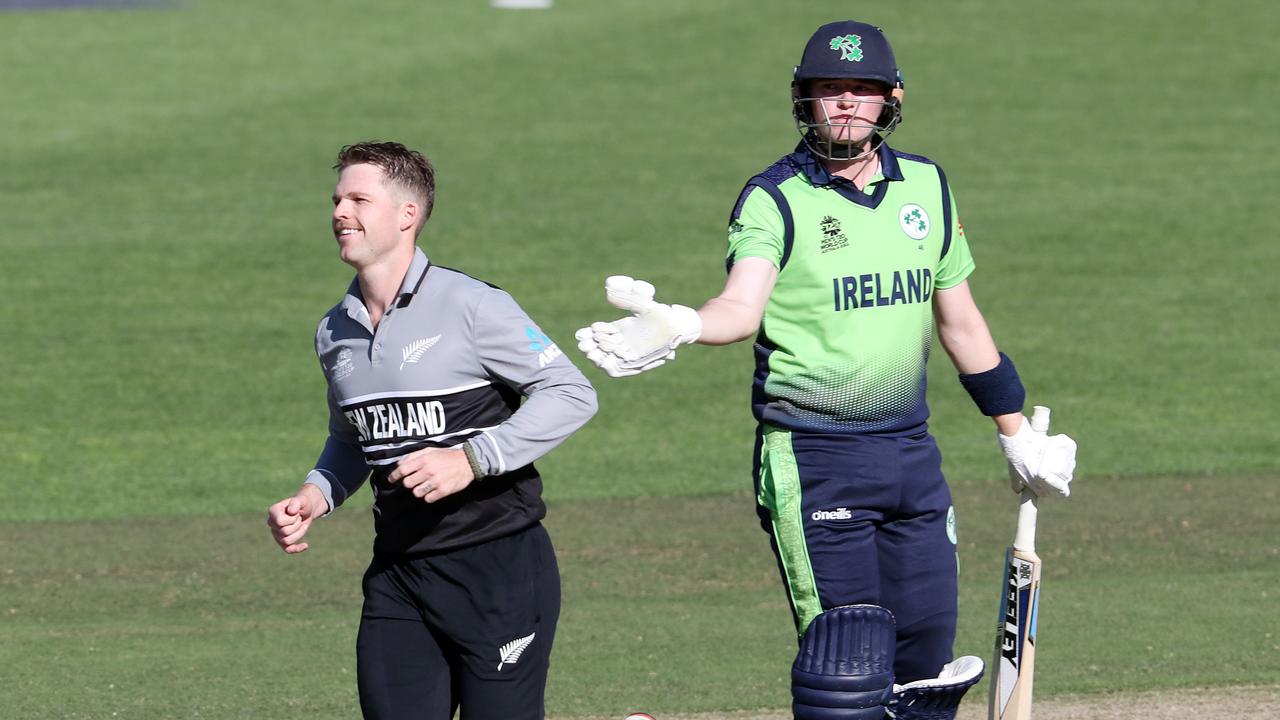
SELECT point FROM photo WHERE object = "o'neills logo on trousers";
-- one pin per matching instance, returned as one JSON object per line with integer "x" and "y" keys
{"x": 397, "y": 419}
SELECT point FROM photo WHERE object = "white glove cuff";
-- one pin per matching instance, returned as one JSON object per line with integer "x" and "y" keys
{"x": 688, "y": 324}
{"x": 1017, "y": 441}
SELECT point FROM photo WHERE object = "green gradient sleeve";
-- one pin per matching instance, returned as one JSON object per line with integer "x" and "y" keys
{"x": 957, "y": 264}
{"x": 758, "y": 229}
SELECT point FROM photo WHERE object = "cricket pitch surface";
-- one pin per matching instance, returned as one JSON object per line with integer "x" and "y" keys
{"x": 1211, "y": 704}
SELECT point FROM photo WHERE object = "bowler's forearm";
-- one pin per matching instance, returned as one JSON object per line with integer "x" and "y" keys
{"x": 545, "y": 419}
{"x": 339, "y": 472}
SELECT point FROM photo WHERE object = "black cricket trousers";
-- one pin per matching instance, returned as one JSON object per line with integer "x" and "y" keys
{"x": 470, "y": 628}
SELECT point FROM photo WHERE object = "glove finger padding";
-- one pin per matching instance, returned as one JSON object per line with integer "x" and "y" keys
{"x": 1057, "y": 467}
{"x": 629, "y": 294}
{"x": 610, "y": 363}
{"x": 646, "y": 363}
{"x": 586, "y": 340}
{"x": 634, "y": 369}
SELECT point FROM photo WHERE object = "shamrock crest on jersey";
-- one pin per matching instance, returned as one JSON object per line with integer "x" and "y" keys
{"x": 914, "y": 221}
{"x": 850, "y": 47}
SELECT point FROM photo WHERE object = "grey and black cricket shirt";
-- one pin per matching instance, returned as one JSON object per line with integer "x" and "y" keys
{"x": 449, "y": 362}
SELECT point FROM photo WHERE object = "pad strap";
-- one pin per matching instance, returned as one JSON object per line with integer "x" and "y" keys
{"x": 997, "y": 391}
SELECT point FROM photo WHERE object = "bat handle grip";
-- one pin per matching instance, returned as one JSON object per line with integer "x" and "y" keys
{"x": 1040, "y": 419}
{"x": 1025, "y": 537}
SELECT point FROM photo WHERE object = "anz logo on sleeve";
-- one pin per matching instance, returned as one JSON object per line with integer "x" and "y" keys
{"x": 541, "y": 344}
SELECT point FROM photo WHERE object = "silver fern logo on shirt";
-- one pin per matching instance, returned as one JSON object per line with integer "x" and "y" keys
{"x": 414, "y": 351}
{"x": 509, "y": 654}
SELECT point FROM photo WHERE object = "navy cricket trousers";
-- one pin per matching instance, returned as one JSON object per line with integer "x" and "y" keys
{"x": 864, "y": 519}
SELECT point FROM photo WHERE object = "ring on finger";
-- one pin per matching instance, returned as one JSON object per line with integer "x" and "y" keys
{"x": 427, "y": 488}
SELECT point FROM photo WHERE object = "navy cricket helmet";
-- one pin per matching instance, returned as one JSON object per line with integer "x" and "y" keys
{"x": 846, "y": 50}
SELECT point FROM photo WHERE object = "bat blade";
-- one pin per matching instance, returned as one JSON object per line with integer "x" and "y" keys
{"x": 1015, "y": 652}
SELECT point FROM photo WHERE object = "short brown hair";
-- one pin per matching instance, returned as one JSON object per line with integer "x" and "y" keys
{"x": 408, "y": 168}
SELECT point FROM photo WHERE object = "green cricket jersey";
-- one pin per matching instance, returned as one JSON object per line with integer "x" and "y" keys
{"x": 847, "y": 330}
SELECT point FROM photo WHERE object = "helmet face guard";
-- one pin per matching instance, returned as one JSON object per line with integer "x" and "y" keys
{"x": 846, "y": 50}
{"x": 841, "y": 141}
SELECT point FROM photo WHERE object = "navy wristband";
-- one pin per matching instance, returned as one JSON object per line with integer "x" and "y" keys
{"x": 997, "y": 391}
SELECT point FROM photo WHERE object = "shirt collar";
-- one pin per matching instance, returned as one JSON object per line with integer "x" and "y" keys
{"x": 353, "y": 303}
{"x": 414, "y": 277}
{"x": 816, "y": 170}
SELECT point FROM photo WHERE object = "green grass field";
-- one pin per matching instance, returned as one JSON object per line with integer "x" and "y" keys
{"x": 165, "y": 255}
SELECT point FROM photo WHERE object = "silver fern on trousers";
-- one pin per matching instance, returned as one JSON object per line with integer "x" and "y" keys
{"x": 510, "y": 652}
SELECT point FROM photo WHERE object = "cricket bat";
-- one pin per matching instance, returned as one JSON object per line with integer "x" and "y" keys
{"x": 1015, "y": 653}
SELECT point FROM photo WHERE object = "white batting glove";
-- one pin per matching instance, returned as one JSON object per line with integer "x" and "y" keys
{"x": 1043, "y": 464}
{"x": 961, "y": 671}
{"x": 613, "y": 365}
{"x": 645, "y": 340}
{"x": 937, "y": 697}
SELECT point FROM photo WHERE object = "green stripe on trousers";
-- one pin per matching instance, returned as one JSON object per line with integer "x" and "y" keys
{"x": 780, "y": 495}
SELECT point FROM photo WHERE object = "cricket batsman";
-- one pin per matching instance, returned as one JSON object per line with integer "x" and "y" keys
{"x": 843, "y": 258}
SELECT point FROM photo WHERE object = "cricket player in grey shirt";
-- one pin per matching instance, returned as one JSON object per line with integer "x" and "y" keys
{"x": 427, "y": 369}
